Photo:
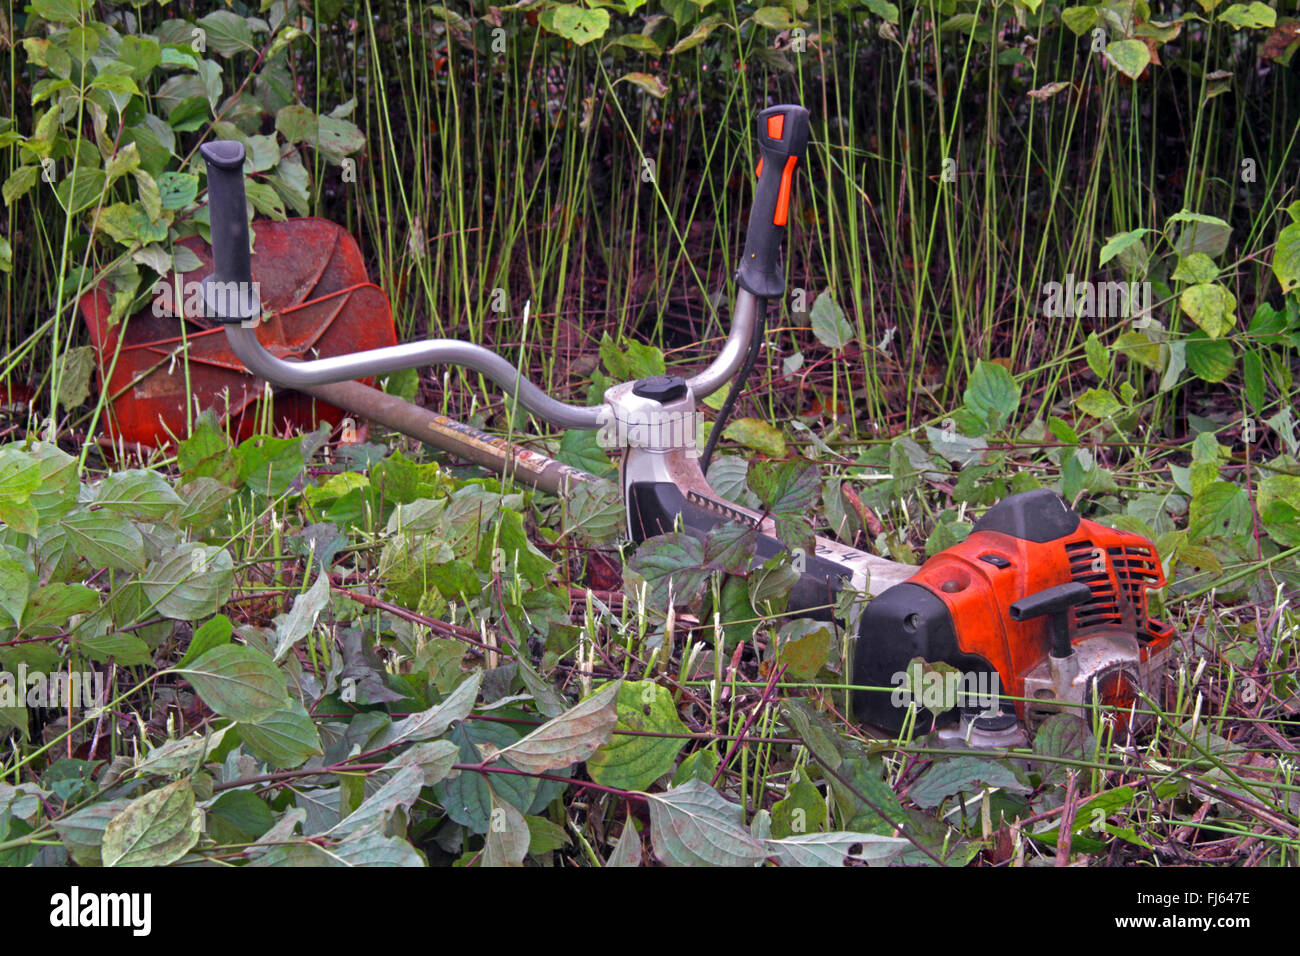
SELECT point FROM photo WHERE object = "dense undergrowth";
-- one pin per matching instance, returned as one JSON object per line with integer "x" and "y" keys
{"x": 326, "y": 647}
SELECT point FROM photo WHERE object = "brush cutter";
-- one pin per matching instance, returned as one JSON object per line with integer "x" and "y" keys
{"x": 1037, "y": 611}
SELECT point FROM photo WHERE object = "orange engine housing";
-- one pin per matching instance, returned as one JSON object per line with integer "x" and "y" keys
{"x": 956, "y": 607}
{"x": 1118, "y": 566}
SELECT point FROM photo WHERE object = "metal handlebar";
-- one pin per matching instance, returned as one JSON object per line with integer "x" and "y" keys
{"x": 231, "y": 294}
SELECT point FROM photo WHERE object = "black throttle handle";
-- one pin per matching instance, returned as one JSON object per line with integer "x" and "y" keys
{"x": 782, "y": 139}
{"x": 229, "y": 293}
{"x": 1055, "y": 603}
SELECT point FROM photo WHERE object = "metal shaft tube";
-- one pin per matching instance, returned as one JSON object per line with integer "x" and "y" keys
{"x": 489, "y": 451}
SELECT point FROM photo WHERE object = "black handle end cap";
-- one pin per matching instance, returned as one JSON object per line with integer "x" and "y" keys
{"x": 223, "y": 153}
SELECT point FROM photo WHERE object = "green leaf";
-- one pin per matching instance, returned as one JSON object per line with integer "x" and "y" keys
{"x": 180, "y": 756}
{"x": 637, "y": 361}
{"x": 671, "y": 564}
{"x": 884, "y": 9}
{"x": 207, "y": 452}
{"x": 545, "y": 696}
{"x": 1249, "y": 16}
{"x": 701, "y": 765}
{"x": 214, "y": 633}
{"x": 633, "y": 762}
{"x": 1130, "y": 57}
{"x": 1286, "y": 257}
{"x": 75, "y": 369}
{"x": 758, "y": 435}
{"x": 54, "y": 605}
{"x": 837, "y": 849}
{"x": 636, "y": 41}
{"x": 1098, "y": 357}
{"x": 1098, "y": 403}
{"x": 1196, "y": 267}
{"x": 283, "y": 740}
{"x": 238, "y": 682}
{"x": 596, "y": 511}
{"x": 14, "y": 589}
{"x": 125, "y": 649}
{"x": 775, "y": 18}
{"x": 154, "y": 830}
{"x": 958, "y": 774}
{"x": 646, "y": 82}
{"x": 137, "y": 493}
{"x": 238, "y": 817}
{"x": 1201, "y": 233}
{"x": 508, "y": 836}
{"x": 1080, "y": 20}
{"x": 105, "y": 540}
{"x": 569, "y": 738}
{"x": 190, "y": 581}
{"x": 269, "y": 465}
{"x": 435, "y": 721}
{"x": 702, "y": 31}
{"x": 1278, "y": 501}
{"x": 1211, "y": 360}
{"x": 59, "y": 11}
{"x": 728, "y": 476}
{"x": 1121, "y": 241}
{"x": 1141, "y": 349}
{"x": 729, "y": 546}
{"x": 575, "y": 23}
{"x": 80, "y": 189}
{"x": 829, "y": 323}
{"x": 298, "y": 623}
{"x": 1211, "y": 306}
{"x": 992, "y": 394}
{"x": 205, "y": 502}
{"x": 545, "y": 836}
{"x": 789, "y": 488}
{"x": 802, "y": 809}
{"x": 581, "y": 449}
{"x": 59, "y": 486}
{"x": 227, "y": 33}
{"x": 1219, "y": 509}
{"x": 82, "y": 832}
{"x": 1253, "y": 380}
{"x": 177, "y": 190}
{"x": 804, "y": 645}
{"x": 467, "y": 797}
{"x": 694, "y": 825}
{"x": 20, "y": 181}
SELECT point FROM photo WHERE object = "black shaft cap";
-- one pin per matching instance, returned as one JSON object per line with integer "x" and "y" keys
{"x": 660, "y": 388}
{"x": 223, "y": 153}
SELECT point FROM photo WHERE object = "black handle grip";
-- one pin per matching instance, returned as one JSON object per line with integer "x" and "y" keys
{"x": 230, "y": 295}
{"x": 782, "y": 139}
{"x": 1055, "y": 602}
